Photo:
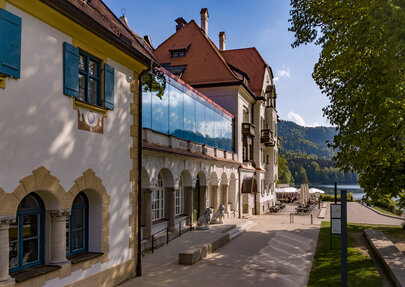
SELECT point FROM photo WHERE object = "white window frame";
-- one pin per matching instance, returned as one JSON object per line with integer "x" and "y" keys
{"x": 179, "y": 198}
{"x": 245, "y": 115}
{"x": 158, "y": 200}
{"x": 263, "y": 191}
{"x": 262, "y": 154}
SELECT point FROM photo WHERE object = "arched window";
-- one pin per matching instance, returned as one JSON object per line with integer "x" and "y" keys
{"x": 158, "y": 200}
{"x": 77, "y": 227}
{"x": 26, "y": 235}
{"x": 179, "y": 207}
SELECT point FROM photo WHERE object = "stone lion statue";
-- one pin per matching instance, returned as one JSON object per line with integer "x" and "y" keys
{"x": 218, "y": 215}
{"x": 204, "y": 219}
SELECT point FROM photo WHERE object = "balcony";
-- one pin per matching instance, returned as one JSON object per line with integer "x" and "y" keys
{"x": 267, "y": 137}
{"x": 248, "y": 129}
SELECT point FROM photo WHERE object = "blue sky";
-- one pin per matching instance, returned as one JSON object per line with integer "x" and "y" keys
{"x": 259, "y": 23}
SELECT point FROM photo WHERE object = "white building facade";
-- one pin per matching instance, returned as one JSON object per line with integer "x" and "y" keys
{"x": 68, "y": 114}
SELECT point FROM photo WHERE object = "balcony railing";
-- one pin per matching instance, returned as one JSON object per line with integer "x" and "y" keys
{"x": 267, "y": 137}
{"x": 248, "y": 129}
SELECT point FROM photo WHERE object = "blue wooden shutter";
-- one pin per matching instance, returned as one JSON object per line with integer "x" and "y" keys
{"x": 10, "y": 44}
{"x": 108, "y": 87}
{"x": 70, "y": 70}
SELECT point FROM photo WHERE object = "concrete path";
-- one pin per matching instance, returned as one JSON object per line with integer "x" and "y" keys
{"x": 271, "y": 253}
{"x": 392, "y": 258}
{"x": 358, "y": 213}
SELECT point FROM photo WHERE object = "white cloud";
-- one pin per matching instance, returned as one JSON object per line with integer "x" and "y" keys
{"x": 284, "y": 73}
{"x": 296, "y": 118}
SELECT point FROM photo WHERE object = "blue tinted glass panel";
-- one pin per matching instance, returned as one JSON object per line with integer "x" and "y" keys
{"x": 218, "y": 130}
{"x": 176, "y": 112}
{"x": 189, "y": 118}
{"x": 146, "y": 102}
{"x": 228, "y": 135}
{"x": 224, "y": 130}
{"x": 200, "y": 122}
{"x": 170, "y": 108}
{"x": 210, "y": 118}
{"x": 160, "y": 105}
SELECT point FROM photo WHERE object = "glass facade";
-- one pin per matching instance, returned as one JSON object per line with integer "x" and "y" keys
{"x": 171, "y": 108}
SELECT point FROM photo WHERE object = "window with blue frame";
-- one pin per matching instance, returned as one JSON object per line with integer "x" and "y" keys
{"x": 10, "y": 44}
{"x": 82, "y": 77}
{"x": 77, "y": 227}
{"x": 89, "y": 79}
{"x": 26, "y": 235}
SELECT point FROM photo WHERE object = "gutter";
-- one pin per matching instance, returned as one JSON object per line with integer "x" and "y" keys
{"x": 78, "y": 16}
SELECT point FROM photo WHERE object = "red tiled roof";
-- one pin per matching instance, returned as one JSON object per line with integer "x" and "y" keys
{"x": 195, "y": 91}
{"x": 205, "y": 64}
{"x": 251, "y": 62}
{"x": 100, "y": 13}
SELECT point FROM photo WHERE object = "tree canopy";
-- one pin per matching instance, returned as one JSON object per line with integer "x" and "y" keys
{"x": 362, "y": 71}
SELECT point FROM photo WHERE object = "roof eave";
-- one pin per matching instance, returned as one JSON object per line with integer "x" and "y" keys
{"x": 75, "y": 14}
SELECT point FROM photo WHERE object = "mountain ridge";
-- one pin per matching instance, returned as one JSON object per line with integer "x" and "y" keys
{"x": 306, "y": 140}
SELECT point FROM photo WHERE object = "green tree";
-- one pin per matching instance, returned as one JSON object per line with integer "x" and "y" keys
{"x": 284, "y": 173}
{"x": 313, "y": 172}
{"x": 361, "y": 69}
{"x": 301, "y": 176}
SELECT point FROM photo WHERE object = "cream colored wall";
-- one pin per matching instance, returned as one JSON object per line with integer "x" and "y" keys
{"x": 39, "y": 127}
{"x": 154, "y": 162}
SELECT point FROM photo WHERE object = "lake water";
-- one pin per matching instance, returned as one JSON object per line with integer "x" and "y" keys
{"x": 357, "y": 191}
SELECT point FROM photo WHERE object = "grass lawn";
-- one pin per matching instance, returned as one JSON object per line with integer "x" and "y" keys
{"x": 326, "y": 266}
{"x": 385, "y": 211}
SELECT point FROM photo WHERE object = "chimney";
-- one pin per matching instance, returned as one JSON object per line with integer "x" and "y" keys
{"x": 204, "y": 20}
{"x": 180, "y": 23}
{"x": 222, "y": 39}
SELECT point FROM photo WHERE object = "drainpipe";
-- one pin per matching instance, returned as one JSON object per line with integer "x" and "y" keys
{"x": 240, "y": 194}
{"x": 139, "y": 255}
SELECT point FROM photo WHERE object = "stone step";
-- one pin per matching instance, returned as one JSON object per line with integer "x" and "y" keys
{"x": 191, "y": 257}
{"x": 389, "y": 254}
{"x": 236, "y": 231}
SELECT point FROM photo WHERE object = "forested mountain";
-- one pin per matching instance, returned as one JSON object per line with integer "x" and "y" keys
{"x": 306, "y": 140}
{"x": 305, "y": 156}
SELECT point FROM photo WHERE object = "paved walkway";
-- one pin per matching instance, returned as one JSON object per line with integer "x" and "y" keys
{"x": 358, "y": 213}
{"x": 392, "y": 258}
{"x": 272, "y": 252}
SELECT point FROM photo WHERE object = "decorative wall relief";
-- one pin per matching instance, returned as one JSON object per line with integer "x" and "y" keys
{"x": 90, "y": 121}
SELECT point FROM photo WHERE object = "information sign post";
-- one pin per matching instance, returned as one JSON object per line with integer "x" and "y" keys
{"x": 343, "y": 241}
{"x": 335, "y": 221}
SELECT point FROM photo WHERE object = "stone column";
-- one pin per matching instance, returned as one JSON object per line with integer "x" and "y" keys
{"x": 147, "y": 212}
{"x": 4, "y": 248}
{"x": 58, "y": 237}
{"x": 188, "y": 203}
{"x": 225, "y": 197}
{"x": 214, "y": 196}
{"x": 170, "y": 207}
{"x": 203, "y": 200}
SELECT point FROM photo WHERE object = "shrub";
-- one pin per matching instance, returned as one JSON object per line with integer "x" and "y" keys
{"x": 398, "y": 212}
{"x": 331, "y": 197}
